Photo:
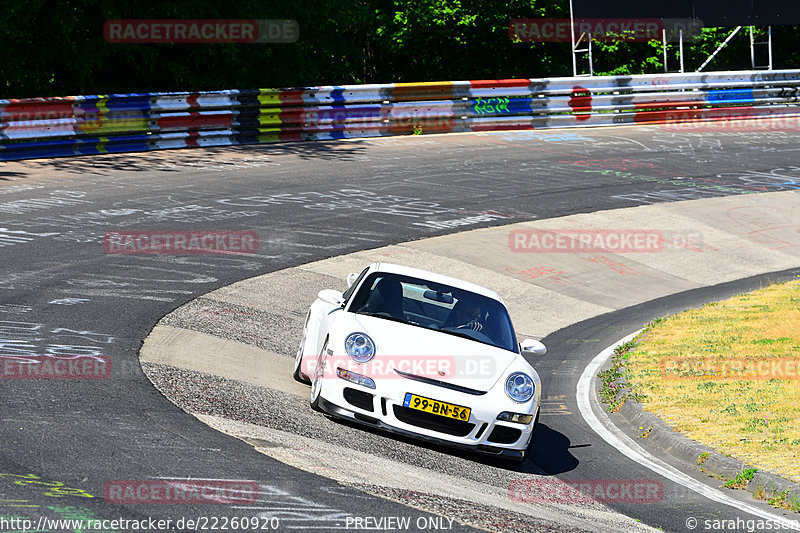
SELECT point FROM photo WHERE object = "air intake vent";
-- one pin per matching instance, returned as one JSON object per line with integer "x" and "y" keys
{"x": 505, "y": 435}
{"x": 360, "y": 399}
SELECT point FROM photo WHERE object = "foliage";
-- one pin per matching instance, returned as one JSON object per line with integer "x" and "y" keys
{"x": 741, "y": 479}
{"x": 614, "y": 388}
{"x": 785, "y": 500}
{"x": 56, "y": 47}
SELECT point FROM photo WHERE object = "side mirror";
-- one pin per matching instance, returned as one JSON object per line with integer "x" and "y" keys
{"x": 533, "y": 347}
{"x": 351, "y": 278}
{"x": 330, "y": 296}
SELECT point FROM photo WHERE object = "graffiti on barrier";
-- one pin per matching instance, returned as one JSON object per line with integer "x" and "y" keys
{"x": 491, "y": 106}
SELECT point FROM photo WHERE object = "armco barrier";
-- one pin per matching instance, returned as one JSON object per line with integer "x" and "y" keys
{"x": 94, "y": 124}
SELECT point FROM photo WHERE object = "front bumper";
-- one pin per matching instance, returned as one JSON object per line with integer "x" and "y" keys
{"x": 383, "y": 408}
{"x": 483, "y": 449}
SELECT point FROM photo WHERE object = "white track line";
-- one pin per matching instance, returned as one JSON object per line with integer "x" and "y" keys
{"x": 624, "y": 444}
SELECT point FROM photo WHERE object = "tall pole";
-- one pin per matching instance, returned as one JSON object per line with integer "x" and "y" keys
{"x": 572, "y": 40}
{"x": 720, "y": 47}
{"x": 769, "y": 44}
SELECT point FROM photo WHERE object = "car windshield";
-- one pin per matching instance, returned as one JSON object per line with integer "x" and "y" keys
{"x": 435, "y": 306}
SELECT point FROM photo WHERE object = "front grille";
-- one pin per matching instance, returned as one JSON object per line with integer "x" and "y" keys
{"x": 449, "y": 426}
{"x": 504, "y": 435}
{"x": 361, "y": 399}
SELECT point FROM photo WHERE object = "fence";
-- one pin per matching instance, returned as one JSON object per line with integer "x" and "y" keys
{"x": 94, "y": 124}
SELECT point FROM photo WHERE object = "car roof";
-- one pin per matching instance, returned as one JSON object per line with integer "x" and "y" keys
{"x": 436, "y": 278}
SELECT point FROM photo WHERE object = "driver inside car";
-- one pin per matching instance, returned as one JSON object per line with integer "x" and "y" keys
{"x": 468, "y": 316}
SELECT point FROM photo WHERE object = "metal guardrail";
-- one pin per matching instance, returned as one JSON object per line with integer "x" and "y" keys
{"x": 94, "y": 124}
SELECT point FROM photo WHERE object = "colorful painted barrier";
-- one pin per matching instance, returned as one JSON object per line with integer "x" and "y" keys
{"x": 95, "y": 124}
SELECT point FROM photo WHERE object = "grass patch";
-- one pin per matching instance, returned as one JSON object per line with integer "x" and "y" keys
{"x": 614, "y": 390}
{"x": 781, "y": 500}
{"x": 723, "y": 391}
{"x": 741, "y": 480}
{"x": 784, "y": 500}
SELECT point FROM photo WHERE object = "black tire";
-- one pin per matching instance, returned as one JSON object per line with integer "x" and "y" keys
{"x": 314, "y": 400}
{"x": 527, "y": 451}
{"x": 297, "y": 364}
{"x": 299, "y": 377}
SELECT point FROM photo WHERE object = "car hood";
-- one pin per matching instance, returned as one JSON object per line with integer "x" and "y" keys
{"x": 425, "y": 353}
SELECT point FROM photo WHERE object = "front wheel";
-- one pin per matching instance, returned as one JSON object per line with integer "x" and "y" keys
{"x": 298, "y": 362}
{"x": 316, "y": 384}
{"x": 527, "y": 451}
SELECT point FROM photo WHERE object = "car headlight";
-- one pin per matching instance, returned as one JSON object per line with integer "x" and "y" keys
{"x": 359, "y": 347}
{"x": 519, "y": 387}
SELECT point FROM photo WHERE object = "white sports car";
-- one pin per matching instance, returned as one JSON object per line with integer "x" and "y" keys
{"x": 423, "y": 355}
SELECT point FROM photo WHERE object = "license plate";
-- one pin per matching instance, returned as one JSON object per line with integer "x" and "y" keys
{"x": 436, "y": 407}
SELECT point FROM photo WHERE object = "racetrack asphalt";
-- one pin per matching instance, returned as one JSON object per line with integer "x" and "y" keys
{"x": 62, "y": 294}
{"x": 231, "y": 342}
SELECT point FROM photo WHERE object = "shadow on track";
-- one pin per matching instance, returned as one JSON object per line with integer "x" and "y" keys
{"x": 550, "y": 454}
{"x": 179, "y": 159}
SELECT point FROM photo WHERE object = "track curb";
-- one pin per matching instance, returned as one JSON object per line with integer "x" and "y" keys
{"x": 691, "y": 453}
